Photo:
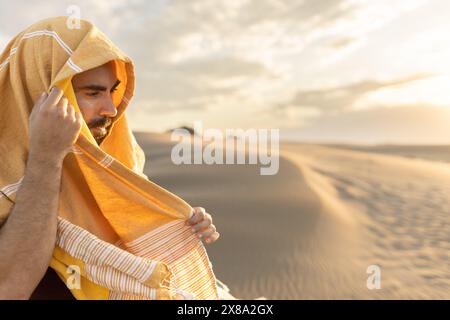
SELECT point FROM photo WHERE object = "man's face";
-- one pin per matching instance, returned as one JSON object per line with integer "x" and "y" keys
{"x": 94, "y": 92}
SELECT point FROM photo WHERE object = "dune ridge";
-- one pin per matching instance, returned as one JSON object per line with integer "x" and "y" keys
{"x": 311, "y": 231}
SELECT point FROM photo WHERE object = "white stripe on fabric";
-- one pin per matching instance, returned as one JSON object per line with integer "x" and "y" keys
{"x": 71, "y": 64}
{"x": 4, "y": 63}
{"x": 81, "y": 244}
{"x": 144, "y": 237}
{"x": 11, "y": 52}
{"x": 175, "y": 245}
{"x": 75, "y": 150}
{"x": 117, "y": 281}
{"x": 106, "y": 161}
{"x": 55, "y": 36}
{"x": 52, "y": 34}
{"x": 11, "y": 188}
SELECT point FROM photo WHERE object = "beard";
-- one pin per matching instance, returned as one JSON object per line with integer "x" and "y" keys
{"x": 100, "y": 128}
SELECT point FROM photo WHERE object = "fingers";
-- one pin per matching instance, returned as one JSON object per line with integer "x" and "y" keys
{"x": 62, "y": 106}
{"x": 206, "y": 233}
{"x": 79, "y": 117}
{"x": 71, "y": 112}
{"x": 197, "y": 216}
{"x": 38, "y": 103}
{"x": 210, "y": 235}
{"x": 53, "y": 98}
{"x": 202, "y": 225}
{"x": 41, "y": 98}
{"x": 64, "y": 109}
{"x": 56, "y": 127}
{"x": 212, "y": 238}
{"x": 56, "y": 98}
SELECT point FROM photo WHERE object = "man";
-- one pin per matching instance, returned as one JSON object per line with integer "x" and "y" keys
{"x": 27, "y": 237}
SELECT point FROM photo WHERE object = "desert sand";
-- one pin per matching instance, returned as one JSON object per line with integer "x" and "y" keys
{"x": 312, "y": 230}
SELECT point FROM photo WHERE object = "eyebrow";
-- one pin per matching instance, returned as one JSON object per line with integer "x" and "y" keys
{"x": 96, "y": 87}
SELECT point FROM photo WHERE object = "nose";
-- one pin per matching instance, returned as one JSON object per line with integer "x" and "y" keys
{"x": 108, "y": 108}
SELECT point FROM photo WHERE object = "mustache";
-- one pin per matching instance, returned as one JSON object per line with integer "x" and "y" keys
{"x": 100, "y": 122}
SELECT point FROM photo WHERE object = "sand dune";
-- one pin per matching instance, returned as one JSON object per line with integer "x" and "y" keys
{"x": 312, "y": 230}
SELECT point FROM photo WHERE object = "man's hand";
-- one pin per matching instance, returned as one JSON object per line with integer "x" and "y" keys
{"x": 27, "y": 238}
{"x": 202, "y": 225}
{"x": 54, "y": 126}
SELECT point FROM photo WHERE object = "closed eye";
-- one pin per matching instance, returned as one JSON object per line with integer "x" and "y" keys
{"x": 93, "y": 94}
{"x": 94, "y": 90}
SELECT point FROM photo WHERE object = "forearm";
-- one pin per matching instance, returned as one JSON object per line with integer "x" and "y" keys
{"x": 27, "y": 239}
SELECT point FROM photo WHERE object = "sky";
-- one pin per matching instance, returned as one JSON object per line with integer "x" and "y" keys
{"x": 350, "y": 71}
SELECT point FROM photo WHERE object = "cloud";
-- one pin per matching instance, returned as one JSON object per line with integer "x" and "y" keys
{"x": 238, "y": 62}
{"x": 341, "y": 98}
{"x": 342, "y": 42}
{"x": 222, "y": 67}
{"x": 197, "y": 82}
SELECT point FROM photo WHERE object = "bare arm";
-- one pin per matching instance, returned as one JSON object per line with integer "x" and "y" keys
{"x": 27, "y": 239}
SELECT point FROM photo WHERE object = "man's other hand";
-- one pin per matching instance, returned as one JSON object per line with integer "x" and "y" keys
{"x": 202, "y": 226}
